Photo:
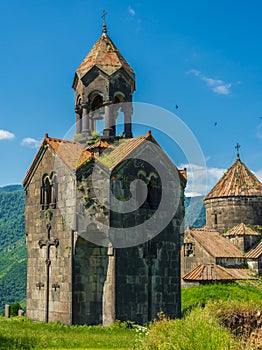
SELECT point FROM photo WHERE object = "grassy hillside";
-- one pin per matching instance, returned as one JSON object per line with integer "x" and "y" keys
{"x": 203, "y": 327}
{"x": 12, "y": 245}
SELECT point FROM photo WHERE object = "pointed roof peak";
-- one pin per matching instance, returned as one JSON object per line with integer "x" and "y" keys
{"x": 238, "y": 180}
{"x": 242, "y": 230}
{"x": 106, "y": 56}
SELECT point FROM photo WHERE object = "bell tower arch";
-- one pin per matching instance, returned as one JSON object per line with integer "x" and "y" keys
{"x": 104, "y": 84}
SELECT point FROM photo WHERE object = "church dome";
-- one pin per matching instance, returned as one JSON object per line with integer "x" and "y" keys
{"x": 238, "y": 180}
{"x": 236, "y": 198}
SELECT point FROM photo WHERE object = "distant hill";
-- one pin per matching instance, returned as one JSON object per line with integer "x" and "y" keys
{"x": 195, "y": 213}
{"x": 12, "y": 240}
{"x": 12, "y": 245}
{"x": 11, "y": 188}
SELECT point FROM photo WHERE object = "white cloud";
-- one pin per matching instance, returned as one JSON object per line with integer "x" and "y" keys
{"x": 218, "y": 86}
{"x": 30, "y": 142}
{"x": 6, "y": 135}
{"x": 222, "y": 89}
{"x": 131, "y": 11}
{"x": 259, "y": 174}
{"x": 200, "y": 180}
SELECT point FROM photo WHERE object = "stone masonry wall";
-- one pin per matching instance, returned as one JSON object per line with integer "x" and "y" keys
{"x": 36, "y": 220}
{"x": 232, "y": 211}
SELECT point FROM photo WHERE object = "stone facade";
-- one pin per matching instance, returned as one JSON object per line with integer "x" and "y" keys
{"x": 78, "y": 272}
{"x": 49, "y": 264}
{"x": 226, "y": 212}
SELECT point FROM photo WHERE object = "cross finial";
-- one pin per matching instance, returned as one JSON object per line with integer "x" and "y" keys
{"x": 104, "y": 16}
{"x": 237, "y": 147}
{"x": 104, "y": 21}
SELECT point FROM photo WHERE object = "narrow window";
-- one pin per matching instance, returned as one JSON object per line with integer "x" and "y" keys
{"x": 189, "y": 249}
{"x": 153, "y": 192}
{"x": 54, "y": 190}
{"x": 45, "y": 192}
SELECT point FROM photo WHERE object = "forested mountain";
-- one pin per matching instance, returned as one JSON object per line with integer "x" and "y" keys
{"x": 12, "y": 240}
{"x": 195, "y": 213}
{"x": 12, "y": 245}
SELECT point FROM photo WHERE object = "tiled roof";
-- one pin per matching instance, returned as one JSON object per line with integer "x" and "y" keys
{"x": 106, "y": 56}
{"x": 74, "y": 155}
{"x": 241, "y": 230}
{"x": 121, "y": 151}
{"x": 71, "y": 152}
{"x": 213, "y": 272}
{"x": 256, "y": 252}
{"x": 124, "y": 148}
{"x": 214, "y": 243}
{"x": 238, "y": 180}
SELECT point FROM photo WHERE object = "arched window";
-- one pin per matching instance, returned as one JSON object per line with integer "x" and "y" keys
{"x": 45, "y": 192}
{"x": 153, "y": 191}
{"x": 54, "y": 190}
{"x": 97, "y": 102}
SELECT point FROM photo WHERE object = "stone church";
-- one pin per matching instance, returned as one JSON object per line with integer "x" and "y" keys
{"x": 98, "y": 249}
{"x": 229, "y": 247}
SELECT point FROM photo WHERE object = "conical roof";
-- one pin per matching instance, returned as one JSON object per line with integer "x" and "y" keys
{"x": 238, "y": 180}
{"x": 106, "y": 56}
{"x": 241, "y": 230}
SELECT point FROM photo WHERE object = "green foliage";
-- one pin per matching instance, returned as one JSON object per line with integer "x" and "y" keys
{"x": 201, "y": 295}
{"x": 18, "y": 333}
{"x": 197, "y": 331}
{"x": 93, "y": 140}
{"x": 80, "y": 188}
{"x": 195, "y": 213}
{"x": 12, "y": 245}
{"x": 11, "y": 188}
{"x": 14, "y": 309}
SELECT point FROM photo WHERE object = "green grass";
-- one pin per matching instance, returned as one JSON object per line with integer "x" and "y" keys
{"x": 201, "y": 295}
{"x": 199, "y": 329}
{"x": 17, "y": 333}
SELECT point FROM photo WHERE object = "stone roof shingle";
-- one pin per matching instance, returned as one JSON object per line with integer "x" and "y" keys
{"x": 213, "y": 272}
{"x": 241, "y": 230}
{"x": 106, "y": 56}
{"x": 214, "y": 243}
{"x": 238, "y": 180}
{"x": 256, "y": 252}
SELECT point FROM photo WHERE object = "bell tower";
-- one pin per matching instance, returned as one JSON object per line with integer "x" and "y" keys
{"x": 104, "y": 84}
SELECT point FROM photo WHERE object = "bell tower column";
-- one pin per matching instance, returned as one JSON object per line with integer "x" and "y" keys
{"x": 78, "y": 112}
{"x": 108, "y": 130}
{"x": 128, "y": 111}
{"x": 86, "y": 127}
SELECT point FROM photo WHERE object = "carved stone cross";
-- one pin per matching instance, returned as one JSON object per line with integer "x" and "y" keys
{"x": 48, "y": 243}
{"x": 40, "y": 285}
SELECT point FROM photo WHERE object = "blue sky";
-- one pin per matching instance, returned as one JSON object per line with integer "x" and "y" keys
{"x": 204, "y": 56}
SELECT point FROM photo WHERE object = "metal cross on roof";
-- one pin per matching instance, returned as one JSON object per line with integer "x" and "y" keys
{"x": 104, "y": 16}
{"x": 237, "y": 147}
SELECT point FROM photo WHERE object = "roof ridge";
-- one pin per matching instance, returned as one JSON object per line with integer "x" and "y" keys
{"x": 238, "y": 181}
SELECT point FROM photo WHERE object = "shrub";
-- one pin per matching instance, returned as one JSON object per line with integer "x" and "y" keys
{"x": 197, "y": 331}
{"x": 14, "y": 309}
